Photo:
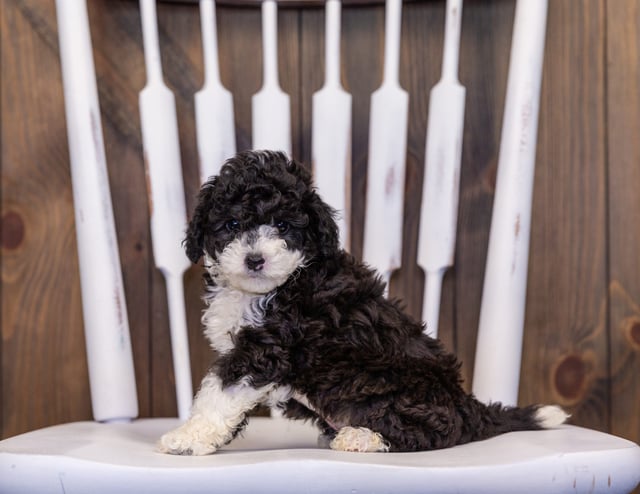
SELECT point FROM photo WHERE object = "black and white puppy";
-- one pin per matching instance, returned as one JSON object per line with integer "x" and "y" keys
{"x": 300, "y": 324}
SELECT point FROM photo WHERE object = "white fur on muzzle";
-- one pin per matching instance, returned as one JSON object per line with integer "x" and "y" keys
{"x": 232, "y": 268}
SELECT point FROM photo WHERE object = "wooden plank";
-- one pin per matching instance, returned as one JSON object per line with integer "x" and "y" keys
{"x": 565, "y": 358}
{"x": 289, "y": 71}
{"x": 362, "y": 33}
{"x": 623, "y": 121}
{"x": 242, "y": 79}
{"x": 290, "y": 3}
{"x": 484, "y": 59}
{"x": 44, "y": 373}
{"x": 311, "y": 71}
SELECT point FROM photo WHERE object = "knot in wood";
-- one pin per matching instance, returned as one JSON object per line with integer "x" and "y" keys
{"x": 570, "y": 377}
{"x": 12, "y": 230}
{"x": 632, "y": 331}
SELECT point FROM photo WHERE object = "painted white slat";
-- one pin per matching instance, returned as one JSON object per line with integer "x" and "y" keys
{"x": 166, "y": 198}
{"x": 331, "y": 129}
{"x": 108, "y": 341}
{"x": 439, "y": 212}
{"x": 271, "y": 109}
{"x": 215, "y": 126}
{"x": 387, "y": 153}
{"x": 497, "y": 365}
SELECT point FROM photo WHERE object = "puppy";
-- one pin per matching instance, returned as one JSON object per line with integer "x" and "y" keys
{"x": 301, "y": 325}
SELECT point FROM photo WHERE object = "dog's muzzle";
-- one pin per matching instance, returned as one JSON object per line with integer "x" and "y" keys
{"x": 256, "y": 262}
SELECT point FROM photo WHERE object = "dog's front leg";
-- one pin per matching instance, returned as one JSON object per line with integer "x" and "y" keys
{"x": 217, "y": 415}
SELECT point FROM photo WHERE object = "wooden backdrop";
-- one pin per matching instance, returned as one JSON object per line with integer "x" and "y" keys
{"x": 582, "y": 335}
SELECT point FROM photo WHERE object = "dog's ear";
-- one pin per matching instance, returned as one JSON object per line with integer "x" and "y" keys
{"x": 199, "y": 224}
{"x": 322, "y": 226}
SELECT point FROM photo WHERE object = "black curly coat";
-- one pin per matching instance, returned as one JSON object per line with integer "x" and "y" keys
{"x": 328, "y": 332}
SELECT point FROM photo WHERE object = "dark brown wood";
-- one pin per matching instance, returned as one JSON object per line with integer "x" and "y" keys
{"x": 240, "y": 48}
{"x": 582, "y": 341}
{"x": 287, "y": 4}
{"x": 312, "y": 53}
{"x": 484, "y": 60}
{"x": 565, "y": 353}
{"x": 623, "y": 119}
{"x": 363, "y": 36}
{"x": 44, "y": 372}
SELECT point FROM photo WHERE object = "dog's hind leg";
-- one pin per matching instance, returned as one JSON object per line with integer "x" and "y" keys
{"x": 359, "y": 439}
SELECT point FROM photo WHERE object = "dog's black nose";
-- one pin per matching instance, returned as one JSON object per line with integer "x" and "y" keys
{"x": 255, "y": 262}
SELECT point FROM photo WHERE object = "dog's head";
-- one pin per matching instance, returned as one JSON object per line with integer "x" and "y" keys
{"x": 260, "y": 221}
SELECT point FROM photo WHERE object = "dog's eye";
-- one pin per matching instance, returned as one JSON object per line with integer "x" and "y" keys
{"x": 232, "y": 225}
{"x": 282, "y": 226}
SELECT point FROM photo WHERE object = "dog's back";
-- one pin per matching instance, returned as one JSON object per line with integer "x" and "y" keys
{"x": 361, "y": 361}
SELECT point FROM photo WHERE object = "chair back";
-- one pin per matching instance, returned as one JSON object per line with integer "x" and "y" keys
{"x": 360, "y": 132}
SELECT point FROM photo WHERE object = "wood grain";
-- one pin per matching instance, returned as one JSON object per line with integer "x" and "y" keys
{"x": 362, "y": 32}
{"x": 41, "y": 309}
{"x": 582, "y": 341}
{"x": 623, "y": 119}
{"x": 484, "y": 62}
{"x": 565, "y": 353}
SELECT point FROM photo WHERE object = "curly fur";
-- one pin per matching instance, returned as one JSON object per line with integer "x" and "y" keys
{"x": 326, "y": 344}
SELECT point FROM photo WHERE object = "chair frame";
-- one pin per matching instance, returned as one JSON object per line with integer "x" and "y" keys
{"x": 275, "y": 455}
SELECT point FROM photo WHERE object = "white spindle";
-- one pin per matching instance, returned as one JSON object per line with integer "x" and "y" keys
{"x": 215, "y": 128}
{"x": 271, "y": 110}
{"x": 109, "y": 355}
{"x": 166, "y": 198}
{"x": 387, "y": 152}
{"x": 499, "y": 348}
{"x": 331, "y": 129}
{"x": 440, "y": 191}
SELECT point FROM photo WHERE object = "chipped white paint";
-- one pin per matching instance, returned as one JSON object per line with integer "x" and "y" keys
{"x": 108, "y": 458}
{"x": 166, "y": 197}
{"x": 440, "y": 191}
{"x": 110, "y": 361}
{"x": 215, "y": 126}
{"x": 271, "y": 109}
{"x": 499, "y": 348}
{"x": 331, "y": 130}
{"x": 384, "y": 223}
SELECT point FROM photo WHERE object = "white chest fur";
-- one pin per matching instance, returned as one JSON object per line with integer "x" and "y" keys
{"x": 228, "y": 311}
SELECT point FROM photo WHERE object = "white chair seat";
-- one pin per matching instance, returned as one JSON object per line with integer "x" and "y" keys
{"x": 280, "y": 456}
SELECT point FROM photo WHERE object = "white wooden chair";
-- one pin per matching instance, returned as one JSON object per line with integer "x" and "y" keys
{"x": 116, "y": 454}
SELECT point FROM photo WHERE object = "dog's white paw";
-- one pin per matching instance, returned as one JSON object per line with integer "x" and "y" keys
{"x": 196, "y": 437}
{"x": 359, "y": 439}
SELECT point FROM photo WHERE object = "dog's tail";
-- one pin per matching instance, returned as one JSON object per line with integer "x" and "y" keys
{"x": 485, "y": 421}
